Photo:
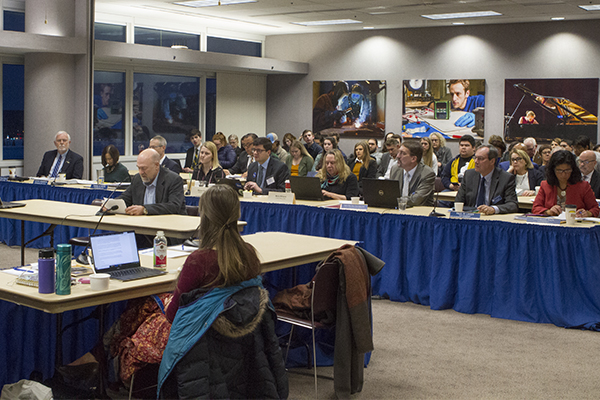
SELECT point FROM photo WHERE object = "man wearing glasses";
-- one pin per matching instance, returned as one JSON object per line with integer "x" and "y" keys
{"x": 587, "y": 163}
{"x": 62, "y": 160}
{"x": 266, "y": 174}
{"x": 488, "y": 188}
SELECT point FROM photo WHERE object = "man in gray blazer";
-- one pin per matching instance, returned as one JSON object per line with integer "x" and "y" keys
{"x": 154, "y": 190}
{"x": 388, "y": 158}
{"x": 496, "y": 194}
{"x": 416, "y": 179}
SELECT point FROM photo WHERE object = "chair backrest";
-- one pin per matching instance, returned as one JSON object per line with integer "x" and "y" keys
{"x": 325, "y": 288}
{"x": 439, "y": 186}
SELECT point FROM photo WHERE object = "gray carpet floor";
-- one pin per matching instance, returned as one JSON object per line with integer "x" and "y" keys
{"x": 426, "y": 354}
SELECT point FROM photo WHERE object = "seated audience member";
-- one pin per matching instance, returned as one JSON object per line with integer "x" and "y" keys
{"x": 246, "y": 158}
{"x": 336, "y": 135}
{"x": 238, "y": 312}
{"x": 288, "y": 138}
{"x": 266, "y": 174}
{"x": 567, "y": 144}
{"x": 373, "y": 150}
{"x": 62, "y": 160}
{"x": 227, "y": 157}
{"x": 159, "y": 144}
{"x": 429, "y": 157}
{"x": 417, "y": 180}
{"x": 276, "y": 150}
{"x": 564, "y": 185}
{"x": 454, "y": 171}
{"x": 555, "y": 142}
{"x": 318, "y": 138}
{"x": 505, "y": 165}
{"x": 154, "y": 190}
{"x": 361, "y": 164}
{"x": 526, "y": 177}
{"x": 530, "y": 147}
{"x": 442, "y": 153}
{"x": 114, "y": 171}
{"x": 208, "y": 169}
{"x": 299, "y": 162}
{"x": 388, "y": 159}
{"x": 391, "y": 135}
{"x": 488, "y": 187}
{"x": 193, "y": 153}
{"x": 235, "y": 144}
{"x": 329, "y": 143}
{"x": 337, "y": 180}
{"x": 583, "y": 143}
{"x": 542, "y": 157}
{"x": 312, "y": 148}
{"x": 499, "y": 144}
{"x": 587, "y": 164}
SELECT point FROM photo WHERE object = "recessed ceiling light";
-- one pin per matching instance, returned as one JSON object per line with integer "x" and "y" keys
{"x": 328, "y": 22}
{"x": 368, "y": 27}
{"x": 458, "y": 23}
{"x": 591, "y": 7}
{"x": 212, "y": 3}
{"x": 557, "y": 18}
{"x": 462, "y": 15}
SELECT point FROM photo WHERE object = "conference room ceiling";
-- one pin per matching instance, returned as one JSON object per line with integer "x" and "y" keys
{"x": 276, "y": 17}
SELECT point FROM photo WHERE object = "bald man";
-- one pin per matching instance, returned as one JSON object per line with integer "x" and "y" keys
{"x": 154, "y": 190}
{"x": 587, "y": 165}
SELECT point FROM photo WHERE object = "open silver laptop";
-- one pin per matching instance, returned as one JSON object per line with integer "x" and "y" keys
{"x": 10, "y": 204}
{"x": 116, "y": 254}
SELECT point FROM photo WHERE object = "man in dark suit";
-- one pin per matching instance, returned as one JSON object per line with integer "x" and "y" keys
{"x": 246, "y": 157}
{"x": 487, "y": 187}
{"x": 389, "y": 158}
{"x": 154, "y": 190}
{"x": 193, "y": 153}
{"x": 159, "y": 144}
{"x": 62, "y": 160}
{"x": 587, "y": 165}
{"x": 416, "y": 179}
{"x": 266, "y": 173}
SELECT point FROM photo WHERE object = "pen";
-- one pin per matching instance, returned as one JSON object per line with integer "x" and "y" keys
{"x": 22, "y": 270}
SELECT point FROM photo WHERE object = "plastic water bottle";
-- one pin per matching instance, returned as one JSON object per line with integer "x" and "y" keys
{"x": 63, "y": 269}
{"x": 160, "y": 250}
{"x": 288, "y": 187}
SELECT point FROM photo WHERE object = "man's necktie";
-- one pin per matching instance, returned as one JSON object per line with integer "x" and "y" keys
{"x": 405, "y": 184}
{"x": 195, "y": 162}
{"x": 481, "y": 193}
{"x": 56, "y": 168}
{"x": 260, "y": 176}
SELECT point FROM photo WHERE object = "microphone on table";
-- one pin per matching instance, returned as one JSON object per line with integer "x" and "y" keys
{"x": 83, "y": 258}
{"x": 100, "y": 212}
{"x": 435, "y": 203}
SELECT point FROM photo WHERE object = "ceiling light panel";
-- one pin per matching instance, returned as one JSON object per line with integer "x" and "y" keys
{"x": 475, "y": 14}
{"x": 328, "y": 22}
{"x": 212, "y": 3}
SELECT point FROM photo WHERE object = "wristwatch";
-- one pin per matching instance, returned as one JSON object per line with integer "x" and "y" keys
{"x": 145, "y": 211}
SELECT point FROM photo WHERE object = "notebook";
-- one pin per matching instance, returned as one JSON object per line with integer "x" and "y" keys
{"x": 381, "y": 193}
{"x": 306, "y": 188}
{"x": 116, "y": 254}
{"x": 10, "y": 204}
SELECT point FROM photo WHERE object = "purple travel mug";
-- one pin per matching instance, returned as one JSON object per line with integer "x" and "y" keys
{"x": 46, "y": 272}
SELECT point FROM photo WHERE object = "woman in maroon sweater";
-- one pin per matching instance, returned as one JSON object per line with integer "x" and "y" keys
{"x": 564, "y": 185}
{"x": 223, "y": 258}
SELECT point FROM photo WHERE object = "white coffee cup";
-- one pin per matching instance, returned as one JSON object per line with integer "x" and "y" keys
{"x": 570, "y": 211}
{"x": 99, "y": 281}
{"x": 537, "y": 190}
{"x": 458, "y": 206}
{"x": 355, "y": 200}
{"x": 247, "y": 194}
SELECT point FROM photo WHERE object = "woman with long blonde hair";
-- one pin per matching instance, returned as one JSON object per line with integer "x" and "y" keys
{"x": 337, "y": 181}
{"x": 208, "y": 169}
{"x": 429, "y": 157}
{"x": 299, "y": 161}
{"x": 361, "y": 163}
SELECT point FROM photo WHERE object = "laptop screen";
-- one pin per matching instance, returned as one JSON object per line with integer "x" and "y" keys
{"x": 114, "y": 250}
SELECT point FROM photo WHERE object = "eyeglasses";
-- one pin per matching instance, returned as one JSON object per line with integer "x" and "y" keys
{"x": 480, "y": 158}
{"x": 563, "y": 171}
{"x": 516, "y": 159}
{"x": 547, "y": 152}
{"x": 258, "y": 150}
{"x": 581, "y": 162}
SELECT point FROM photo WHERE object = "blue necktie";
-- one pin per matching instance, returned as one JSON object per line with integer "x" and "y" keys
{"x": 56, "y": 168}
{"x": 481, "y": 193}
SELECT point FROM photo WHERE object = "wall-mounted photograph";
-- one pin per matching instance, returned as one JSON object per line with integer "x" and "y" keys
{"x": 452, "y": 107}
{"x": 550, "y": 108}
{"x": 349, "y": 108}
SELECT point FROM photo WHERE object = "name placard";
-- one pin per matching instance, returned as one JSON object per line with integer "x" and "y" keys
{"x": 464, "y": 215}
{"x": 98, "y": 186}
{"x": 40, "y": 182}
{"x": 3, "y": 178}
{"x": 354, "y": 207}
{"x": 282, "y": 197}
{"x": 544, "y": 220}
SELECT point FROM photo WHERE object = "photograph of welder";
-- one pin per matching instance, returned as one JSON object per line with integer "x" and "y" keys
{"x": 565, "y": 108}
{"x": 451, "y": 107}
{"x": 349, "y": 107}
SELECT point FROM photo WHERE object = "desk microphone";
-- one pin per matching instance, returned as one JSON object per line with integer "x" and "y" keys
{"x": 83, "y": 258}
{"x": 433, "y": 212}
{"x": 102, "y": 213}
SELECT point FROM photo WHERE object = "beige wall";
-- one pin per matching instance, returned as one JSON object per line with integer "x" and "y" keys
{"x": 241, "y": 104}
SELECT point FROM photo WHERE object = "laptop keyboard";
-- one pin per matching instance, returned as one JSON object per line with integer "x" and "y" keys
{"x": 136, "y": 273}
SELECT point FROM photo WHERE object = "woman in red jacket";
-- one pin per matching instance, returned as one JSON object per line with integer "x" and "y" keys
{"x": 564, "y": 185}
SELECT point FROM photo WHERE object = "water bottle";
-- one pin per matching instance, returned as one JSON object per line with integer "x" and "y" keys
{"x": 160, "y": 250}
{"x": 288, "y": 187}
{"x": 46, "y": 273}
{"x": 63, "y": 269}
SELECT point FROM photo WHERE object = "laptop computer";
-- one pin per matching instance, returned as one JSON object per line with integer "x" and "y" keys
{"x": 10, "y": 204}
{"x": 381, "y": 193}
{"x": 116, "y": 254}
{"x": 306, "y": 188}
{"x": 234, "y": 183}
